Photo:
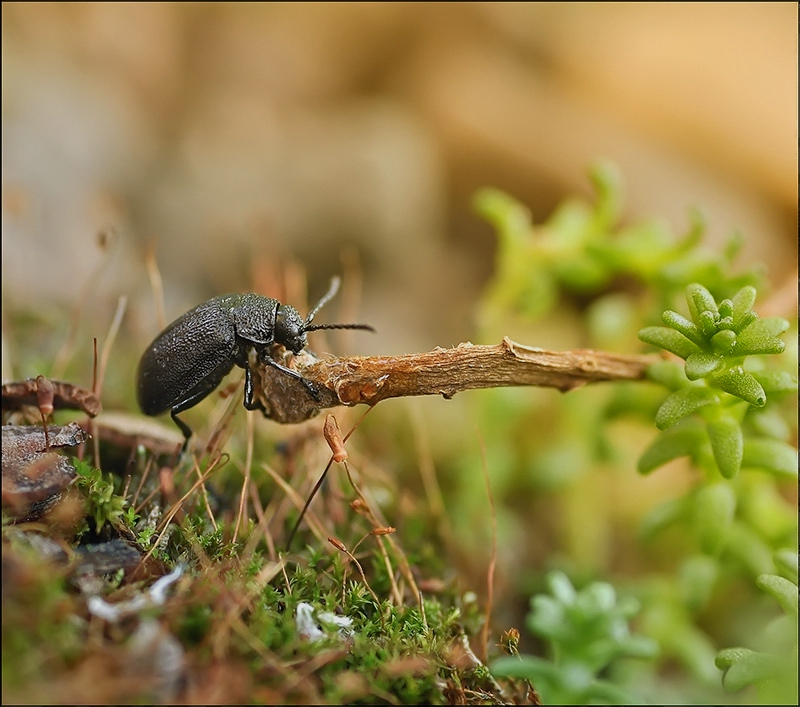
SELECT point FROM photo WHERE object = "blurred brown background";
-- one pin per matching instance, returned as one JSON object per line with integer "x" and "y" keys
{"x": 352, "y": 136}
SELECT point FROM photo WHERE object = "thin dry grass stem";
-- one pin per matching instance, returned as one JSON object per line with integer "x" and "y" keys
{"x": 333, "y": 437}
{"x": 254, "y": 537}
{"x": 155, "y": 283}
{"x": 430, "y": 481}
{"x": 247, "y": 635}
{"x": 147, "y": 467}
{"x": 94, "y": 365}
{"x": 383, "y": 695}
{"x": 378, "y": 530}
{"x": 262, "y": 521}
{"x": 90, "y": 422}
{"x": 127, "y": 486}
{"x": 402, "y": 560}
{"x": 339, "y": 545}
{"x": 105, "y": 354}
{"x": 307, "y": 503}
{"x": 95, "y": 443}
{"x": 285, "y": 576}
{"x": 165, "y": 521}
{"x": 97, "y": 387}
{"x": 106, "y": 240}
{"x": 313, "y": 523}
{"x": 129, "y": 471}
{"x": 301, "y": 675}
{"x": 44, "y": 397}
{"x": 397, "y": 595}
{"x": 221, "y": 417}
{"x": 248, "y": 463}
{"x": 493, "y": 558}
{"x": 206, "y": 503}
{"x": 267, "y": 573}
{"x": 150, "y": 496}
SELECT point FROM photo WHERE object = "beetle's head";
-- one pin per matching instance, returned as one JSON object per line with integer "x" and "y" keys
{"x": 290, "y": 329}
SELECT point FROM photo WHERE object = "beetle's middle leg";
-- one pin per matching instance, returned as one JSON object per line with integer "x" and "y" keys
{"x": 249, "y": 402}
{"x": 180, "y": 407}
{"x": 194, "y": 396}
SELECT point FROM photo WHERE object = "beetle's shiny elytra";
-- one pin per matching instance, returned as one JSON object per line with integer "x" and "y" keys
{"x": 189, "y": 359}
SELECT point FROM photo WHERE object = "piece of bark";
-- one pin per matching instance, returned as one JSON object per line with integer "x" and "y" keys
{"x": 34, "y": 475}
{"x": 66, "y": 396}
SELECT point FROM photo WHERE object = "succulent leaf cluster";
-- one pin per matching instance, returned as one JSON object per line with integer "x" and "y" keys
{"x": 714, "y": 343}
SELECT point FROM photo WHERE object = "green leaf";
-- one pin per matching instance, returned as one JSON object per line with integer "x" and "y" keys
{"x": 698, "y": 575}
{"x": 526, "y": 667}
{"x": 700, "y": 300}
{"x": 726, "y": 310}
{"x": 727, "y": 443}
{"x": 750, "y": 668}
{"x": 782, "y": 589}
{"x": 771, "y": 455}
{"x": 697, "y": 227}
{"x": 683, "y": 325}
{"x": 761, "y": 337}
{"x": 671, "y": 445}
{"x": 733, "y": 245}
{"x": 699, "y": 365}
{"x": 707, "y": 323}
{"x": 786, "y": 562}
{"x": 776, "y": 381}
{"x": 606, "y": 179}
{"x": 512, "y": 220}
{"x": 738, "y": 382}
{"x": 769, "y": 326}
{"x": 670, "y": 374}
{"x": 561, "y": 588}
{"x": 662, "y": 516}
{"x": 682, "y": 403}
{"x": 714, "y": 508}
{"x": 743, "y": 302}
{"x": 638, "y": 647}
{"x": 730, "y": 656}
{"x": 748, "y": 548}
{"x": 768, "y": 422}
{"x": 669, "y": 340}
{"x": 723, "y": 341}
{"x": 747, "y": 319}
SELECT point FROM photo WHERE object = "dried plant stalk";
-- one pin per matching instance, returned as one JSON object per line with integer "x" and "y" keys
{"x": 370, "y": 379}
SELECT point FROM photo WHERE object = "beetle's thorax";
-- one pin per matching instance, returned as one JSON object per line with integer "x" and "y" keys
{"x": 289, "y": 329}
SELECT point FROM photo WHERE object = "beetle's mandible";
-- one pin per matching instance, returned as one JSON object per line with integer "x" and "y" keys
{"x": 189, "y": 359}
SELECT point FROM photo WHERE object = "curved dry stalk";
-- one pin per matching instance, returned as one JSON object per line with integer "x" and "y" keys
{"x": 370, "y": 379}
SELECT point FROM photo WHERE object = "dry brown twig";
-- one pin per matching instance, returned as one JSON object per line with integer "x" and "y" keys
{"x": 368, "y": 380}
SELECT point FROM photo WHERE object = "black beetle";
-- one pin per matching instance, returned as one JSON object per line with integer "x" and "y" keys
{"x": 189, "y": 359}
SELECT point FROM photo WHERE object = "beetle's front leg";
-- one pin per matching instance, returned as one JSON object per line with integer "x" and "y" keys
{"x": 265, "y": 358}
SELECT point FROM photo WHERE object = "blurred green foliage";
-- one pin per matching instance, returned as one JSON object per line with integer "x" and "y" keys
{"x": 729, "y": 413}
{"x": 586, "y": 632}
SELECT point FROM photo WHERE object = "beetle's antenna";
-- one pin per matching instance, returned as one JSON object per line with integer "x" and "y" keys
{"x": 317, "y": 327}
{"x": 327, "y": 297}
